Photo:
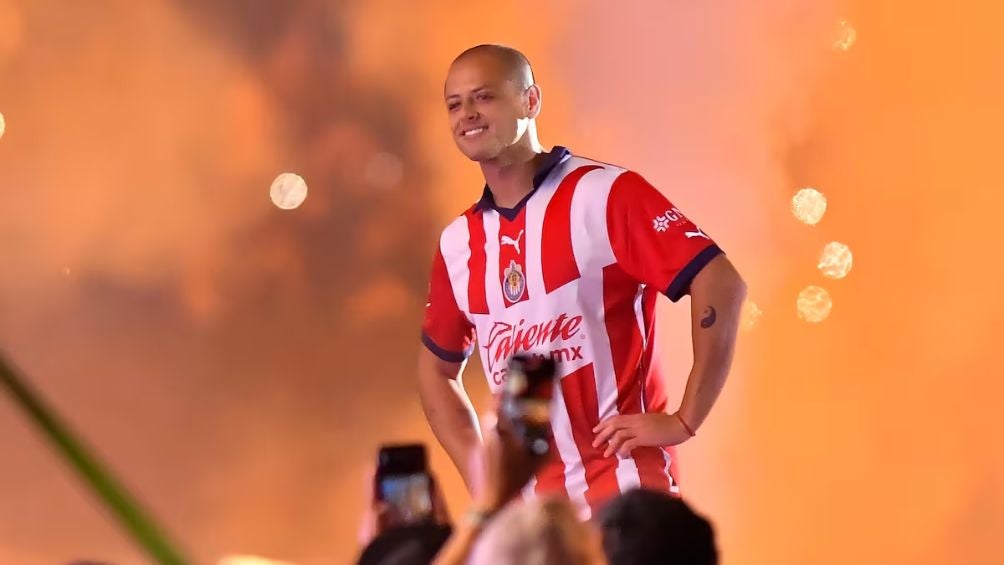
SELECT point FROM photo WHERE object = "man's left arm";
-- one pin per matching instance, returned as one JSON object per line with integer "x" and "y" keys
{"x": 654, "y": 243}
{"x": 716, "y": 298}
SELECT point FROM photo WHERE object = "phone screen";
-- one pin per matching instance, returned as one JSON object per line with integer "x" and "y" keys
{"x": 408, "y": 497}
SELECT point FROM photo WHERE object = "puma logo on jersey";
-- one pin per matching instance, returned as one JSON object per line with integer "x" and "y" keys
{"x": 697, "y": 233}
{"x": 506, "y": 240}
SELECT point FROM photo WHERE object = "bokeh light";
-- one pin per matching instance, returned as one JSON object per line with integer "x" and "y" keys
{"x": 814, "y": 304}
{"x": 846, "y": 36}
{"x": 749, "y": 317}
{"x": 836, "y": 260}
{"x": 288, "y": 191}
{"x": 3, "y": 125}
{"x": 808, "y": 205}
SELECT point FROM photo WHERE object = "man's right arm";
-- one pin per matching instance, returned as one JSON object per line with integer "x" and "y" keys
{"x": 449, "y": 410}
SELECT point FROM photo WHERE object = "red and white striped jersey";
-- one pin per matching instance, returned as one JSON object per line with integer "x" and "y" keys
{"x": 572, "y": 272}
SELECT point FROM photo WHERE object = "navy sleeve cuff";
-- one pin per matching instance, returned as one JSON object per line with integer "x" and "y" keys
{"x": 681, "y": 284}
{"x": 445, "y": 354}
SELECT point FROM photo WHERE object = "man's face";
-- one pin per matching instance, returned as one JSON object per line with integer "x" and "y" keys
{"x": 488, "y": 111}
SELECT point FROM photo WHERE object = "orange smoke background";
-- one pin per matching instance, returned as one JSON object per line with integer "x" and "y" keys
{"x": 238, "y": 365}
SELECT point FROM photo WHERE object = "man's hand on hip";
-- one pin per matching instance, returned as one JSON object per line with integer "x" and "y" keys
{"x": 624, "y": 432}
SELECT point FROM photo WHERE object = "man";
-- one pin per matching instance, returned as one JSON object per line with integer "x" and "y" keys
{"x": 564, "y": 256}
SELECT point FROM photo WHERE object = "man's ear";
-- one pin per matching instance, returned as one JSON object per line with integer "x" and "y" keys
{"x": 533, "y": 97}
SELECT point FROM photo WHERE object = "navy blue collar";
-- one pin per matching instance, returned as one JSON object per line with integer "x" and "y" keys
{"x": 547, "y": 164}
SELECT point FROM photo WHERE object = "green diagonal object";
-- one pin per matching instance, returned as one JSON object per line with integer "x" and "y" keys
{"x": 114, "y": 496}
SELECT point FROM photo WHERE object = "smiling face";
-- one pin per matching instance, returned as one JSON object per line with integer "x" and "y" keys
{"x": 490, "y": 104}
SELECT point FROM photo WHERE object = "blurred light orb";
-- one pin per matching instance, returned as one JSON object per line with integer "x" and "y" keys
{"x": 3, "y": 125}
{"x": 749, "y": 316}
{"x": 836, "y": 260}
{"x": 808, "y": 205}
{"x": 814, "y": 304}
{"x": 846, "y": 36}
{"x": 288, "y": 191}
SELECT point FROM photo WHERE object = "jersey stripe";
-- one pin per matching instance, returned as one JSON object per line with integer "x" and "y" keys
{"x": 556, "y": 233}
{"x": 550, "y": 477}
{"x": 534, "y": 212}
{"x": 564, "y": 445}
{"x": 579, "y": 390}
{"x": 476, "y": 265}
{"x": 592, "y": 252}
{"x": 454, "y": 245}
{"x": 490, "y": 283}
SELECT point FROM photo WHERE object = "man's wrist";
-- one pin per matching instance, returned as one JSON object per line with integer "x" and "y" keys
{"x": 683, "y": 422}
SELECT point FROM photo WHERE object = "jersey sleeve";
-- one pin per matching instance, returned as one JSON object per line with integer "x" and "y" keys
{"x": 446, "y": 331}
{"x": 653, "y": 242}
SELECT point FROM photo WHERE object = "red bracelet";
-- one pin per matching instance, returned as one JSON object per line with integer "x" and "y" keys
{"x": 685, "y": 426}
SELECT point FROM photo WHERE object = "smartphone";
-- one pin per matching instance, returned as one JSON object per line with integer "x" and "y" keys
{"x": 403, "y": 483}
{"x": 526, "y": 400}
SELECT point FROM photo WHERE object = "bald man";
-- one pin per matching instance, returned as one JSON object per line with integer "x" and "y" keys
{"x": 564, "y": 257}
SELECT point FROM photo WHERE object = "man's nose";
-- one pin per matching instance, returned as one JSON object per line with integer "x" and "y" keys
{"x": 470, "y": 111}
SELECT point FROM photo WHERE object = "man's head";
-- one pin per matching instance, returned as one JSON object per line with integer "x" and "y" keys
{"x": 538, "y": 532}
{"x": 406, "y": 545}
{"x": 491, "y": 101}
{"x": 643, "y": 526}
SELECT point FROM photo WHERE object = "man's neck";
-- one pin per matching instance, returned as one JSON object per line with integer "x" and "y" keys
{"x": 510, "y": 177}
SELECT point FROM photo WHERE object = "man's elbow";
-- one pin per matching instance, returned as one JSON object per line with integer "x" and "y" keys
{"x": 738, "y": 286}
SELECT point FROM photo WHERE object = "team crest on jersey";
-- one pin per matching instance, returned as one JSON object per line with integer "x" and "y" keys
{"x": 514, "y": 283}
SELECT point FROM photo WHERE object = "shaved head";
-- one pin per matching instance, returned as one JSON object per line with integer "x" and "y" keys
{"x": 515, "y": 64}
{"x": 492, "y": 102}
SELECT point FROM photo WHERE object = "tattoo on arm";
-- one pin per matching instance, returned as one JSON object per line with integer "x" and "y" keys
{"x": 710, "y": 316}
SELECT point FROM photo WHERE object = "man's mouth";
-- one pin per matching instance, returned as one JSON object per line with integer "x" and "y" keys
{"x": 474, "y": 131}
